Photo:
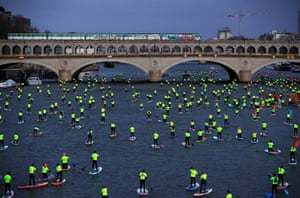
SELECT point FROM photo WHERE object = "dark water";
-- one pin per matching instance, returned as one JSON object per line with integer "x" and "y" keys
{"x": 242, "y": 166}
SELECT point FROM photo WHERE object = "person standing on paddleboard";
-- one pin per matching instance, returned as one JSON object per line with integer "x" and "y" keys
{"x": 187, "y": 137}
{"x": 143, "y": 176}
{"x": 155, "y": 138}
{"x": 270, "y": 145}
{"x": 31, "y": 172}
{"x": 281, "y": 173}
{"x": 45, "y": 171}
{"x": 59, "y": 172}
{"x": 64, "y": 161}
{"x": 293, "y": 151}
{"x": 7, "y": 179}
{"x": 2, "y": 138}
{"x": 132, "y": 131}
{"x": 104, "y": 192}
{"x": 193, "y": 175}
{"x": 274, "y": 180}
{"x": 90, "y": 136}
{"x": 203, "y": 182}
{"x": 16, "y": 138}
{"x": 94, "y": 158}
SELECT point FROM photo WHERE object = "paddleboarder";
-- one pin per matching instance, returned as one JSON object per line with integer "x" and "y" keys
{"x": 90, "y": 136}
{"x": 270, "y": 145}
{"x": 31, "y": 171}
{"x": 143, "y": 176}
{"x": 295, "y": 127}
{"x": 155, "y": 138}
{"x": 274, "y": 180}
{"x": 59, "y": 172}
{"x": 7, "y": 180}
{"x": 2, "y": 138}
{"x": 94, "y": 158}
{"x": 64, "y": 161}
{"x": 16, "y": 138}
{"x": 293, "y": 151}
{"x": 281, "y": 174}
{"x": 104, "y": 192}
{"x": 45, "y": 171}
{"x": 193, "y": 175}
{"x": 203, "y": 182}
{"x": 228, "y": 194}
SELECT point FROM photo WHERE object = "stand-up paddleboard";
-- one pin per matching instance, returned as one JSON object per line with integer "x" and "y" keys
{"x": 78, "y": 126}
{"x": 273, "y": 152}
{"x": 263, "y": 134}
{"x": 21, "y": 122}
{"x": 89, "y": 143}
{"x": 96, "y": 172}
{"x": 156, "y": 146}
{"x": 2, "y": 148}
{"x": 206, "y": 192}
{"x": 293, "y": 162}
{"x": 186, "y": 145}
{"x": 283, "y": 187}
{"x": 14, "y": 144}
{"x": 193, "y": 187}
{"x": 132, "y": 138}
{"x": 239, "y": 138}
{"x": 254, "y": 142}
{"x": 66, "y": 169}
{"x": 9, "y": 195}
{"x": 113, "y": 135}
{"x": 142, "y": 192}
{"x": 287, "y": 123}
{"x": 37, "y": 185}
{"x": 201, "y": 141}
{"x": 217, "y": 139}
{"x": 50, "y": 176}
{"x": 36, "y": 134}
{"x": 58, "y": 183}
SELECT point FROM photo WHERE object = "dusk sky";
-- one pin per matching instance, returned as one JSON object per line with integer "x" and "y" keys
{"x": 201, "y": 16}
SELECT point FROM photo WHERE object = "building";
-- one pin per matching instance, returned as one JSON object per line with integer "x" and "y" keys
{"x": 13, "y": 23}
{"x": 224, "y": 33}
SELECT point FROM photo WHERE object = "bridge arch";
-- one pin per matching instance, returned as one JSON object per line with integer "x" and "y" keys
{"x": 208, "y": 50}
{"x": 165, "y": 49}
{"x": 262, "y": 50}
{"x": 219, "y": 49}
{"x": 5, "y": 50}
{"x": 272, "y": 50}
{"x": 240, "y": 50}
{"x": 197, "y": 49}
{"x": 78, "y": 68}
{"x": 229, "y": 50}
{"x": 176, "y": 49}
{"x": 233, "y": 74}
{"x": 271, "y": 63}
{"x": 37, "y": 50}
{"x": 49, "y": 67}
{"x": 122, "y": 49}
{"x": 133, "y": 49}
{"x": 58, "y": 49}
{"x": 68, "y": 50}
{"x": 111, "y": 49}
{"x": 16, "y": 50}
{"x": 27, "y": 50}
{"x": 47, "y": 50}
{"x": 100, "y": 49}
{"x": 251, "y": 50}
{"x": 283, "y": 50}
{"x": 294, "y": 50}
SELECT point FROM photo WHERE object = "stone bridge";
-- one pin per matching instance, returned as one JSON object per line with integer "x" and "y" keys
{"x": 241, "y": 58}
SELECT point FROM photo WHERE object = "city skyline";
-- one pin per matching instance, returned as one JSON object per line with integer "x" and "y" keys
{"x": 204, "y": 17}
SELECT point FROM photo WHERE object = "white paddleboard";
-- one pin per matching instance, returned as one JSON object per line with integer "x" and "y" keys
{"x": 96, "y": 172}
{"x": 3, "y": 147}
{"x": 185, "y": 145}
{"x": 14, "y": 144}
{"x": 192, "y": 188}
{"x": 207, "y": 191}
{"x": 293, "y": 162}
{"x": 217, "y": 139}
{"x": 89, "y": 143}
{"x": 142, "y": 193}
{"x": 236, "y": 137}
{"x": 132, "y": 138}
{"x": 273, "y": 152}
{"x": 253, "y": 142}
{"x": 9, "y": 196}
{"x": 155, "y": 146}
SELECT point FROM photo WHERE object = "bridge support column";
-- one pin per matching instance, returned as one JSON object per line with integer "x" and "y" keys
{"x": 64, "y": 75}
{"x": 245, "y": 76}
{"x": 155, "y": 75}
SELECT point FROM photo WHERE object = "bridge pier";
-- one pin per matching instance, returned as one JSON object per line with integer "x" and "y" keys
{"x": 155, "y": 75}
{"x": 64, "y": 75}
{"x": 245, "y": 76}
